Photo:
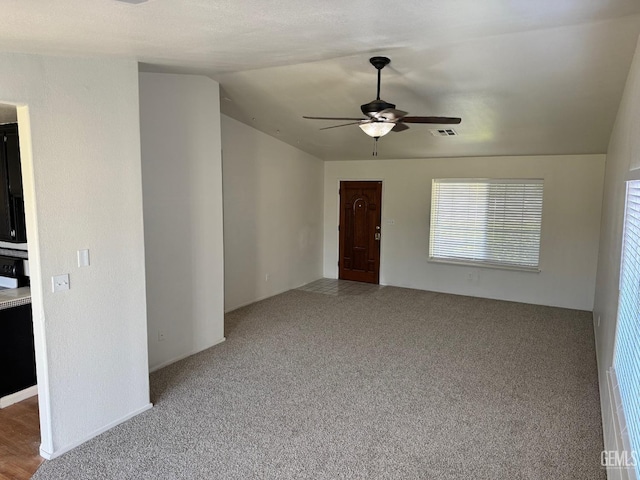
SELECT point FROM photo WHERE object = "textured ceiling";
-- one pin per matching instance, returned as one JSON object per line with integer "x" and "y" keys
{"x": 526, "y": 77}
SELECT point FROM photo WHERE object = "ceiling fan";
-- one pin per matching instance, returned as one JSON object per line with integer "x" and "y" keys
{"x": 382, "y": 117}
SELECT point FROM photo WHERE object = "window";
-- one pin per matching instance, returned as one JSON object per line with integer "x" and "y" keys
{"x": 486, "y": 222}
{"x": 626, "y": 360}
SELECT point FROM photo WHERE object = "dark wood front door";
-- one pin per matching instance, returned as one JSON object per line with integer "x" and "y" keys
{"x": 360, "y": 216}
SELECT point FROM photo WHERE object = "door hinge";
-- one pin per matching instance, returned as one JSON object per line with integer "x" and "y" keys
{"x": 5, "y": 139}
{"x": 338, "y": 227}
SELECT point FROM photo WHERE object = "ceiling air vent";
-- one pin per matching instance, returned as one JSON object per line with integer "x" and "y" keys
{"x": 443, "y": 132}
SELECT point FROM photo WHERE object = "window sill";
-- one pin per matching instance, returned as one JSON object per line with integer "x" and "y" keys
{"x": 468, "y": 263}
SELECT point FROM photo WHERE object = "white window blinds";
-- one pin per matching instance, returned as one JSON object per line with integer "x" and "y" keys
{"x": 486, "y": 221}
{"x": 627, "y": 350}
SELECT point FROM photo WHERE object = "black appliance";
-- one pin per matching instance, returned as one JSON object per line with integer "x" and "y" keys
{"x": 12, "y": 273}
{"x": 17, "y": 355}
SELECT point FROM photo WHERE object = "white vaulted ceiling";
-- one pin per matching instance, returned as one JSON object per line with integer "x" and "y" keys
{"x": 526, "y": 77}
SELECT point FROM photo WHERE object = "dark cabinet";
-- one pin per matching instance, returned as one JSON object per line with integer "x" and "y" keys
{"x": 17, "y": 356}
{"x": 12, "y": 224}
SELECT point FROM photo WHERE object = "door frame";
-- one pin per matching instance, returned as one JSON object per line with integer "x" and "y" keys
{"x": 337, "y": 211}
{"x": 35, "y": 271}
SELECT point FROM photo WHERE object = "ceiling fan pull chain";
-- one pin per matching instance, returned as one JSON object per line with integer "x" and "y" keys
{"x": 375, "y": 147}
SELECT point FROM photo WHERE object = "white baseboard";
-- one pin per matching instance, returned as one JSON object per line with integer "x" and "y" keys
{"x": 18, "y": 396}
{"x": 182, "y": 357}
{"x": 95, "y": 433}
{"x": 259, "y": 299}
{"x": 264, "y": 297}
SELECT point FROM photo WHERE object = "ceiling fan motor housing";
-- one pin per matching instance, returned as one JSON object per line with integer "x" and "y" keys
{"x": 371, "y": 108}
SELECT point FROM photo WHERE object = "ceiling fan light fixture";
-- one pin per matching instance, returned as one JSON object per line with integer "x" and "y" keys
{"x": 377, "y": 129}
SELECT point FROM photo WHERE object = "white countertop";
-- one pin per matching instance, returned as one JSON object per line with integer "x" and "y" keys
{"x": 14, "y": 297}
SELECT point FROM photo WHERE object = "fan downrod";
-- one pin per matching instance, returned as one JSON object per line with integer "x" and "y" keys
{"x": 377, "y": 105}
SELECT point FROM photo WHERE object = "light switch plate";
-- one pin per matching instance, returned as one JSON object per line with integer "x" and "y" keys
{"x": 60, "y": 282}
{"x": 83, "y": 258}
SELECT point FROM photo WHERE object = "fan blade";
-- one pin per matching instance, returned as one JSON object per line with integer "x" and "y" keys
{"x": 390, "y": 114}
{"x": 343, "y": 125}
{"x": 441, "y": 120}
{"x": 399, "y": 127}
{"x": 334, "y": 118}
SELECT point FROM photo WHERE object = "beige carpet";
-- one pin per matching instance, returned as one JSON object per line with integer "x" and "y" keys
{"x": 388, "y": 384}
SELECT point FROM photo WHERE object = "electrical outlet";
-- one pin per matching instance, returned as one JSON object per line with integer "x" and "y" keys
{"x": 60, "y": 282}
{"x": 160, "y": 336}
{"x": 473, "y": 276}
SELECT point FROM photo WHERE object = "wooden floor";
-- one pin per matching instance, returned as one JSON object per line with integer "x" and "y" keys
{"x": 19, "y": 440}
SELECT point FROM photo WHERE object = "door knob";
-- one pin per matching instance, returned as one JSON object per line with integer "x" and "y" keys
{"x": 377, "y": 236}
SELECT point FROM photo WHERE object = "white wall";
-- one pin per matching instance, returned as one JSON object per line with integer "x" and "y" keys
{"x": 272, "y": 215}
{"x": 80, "y": 147}
{"x": 182, "y": 186}
{"x": 623, "y": 155}
{"x": 570, "y": 226}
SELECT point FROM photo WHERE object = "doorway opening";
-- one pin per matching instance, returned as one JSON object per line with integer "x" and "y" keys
{"x": 20, "y": 404}
{"x": 359, "y": 228}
